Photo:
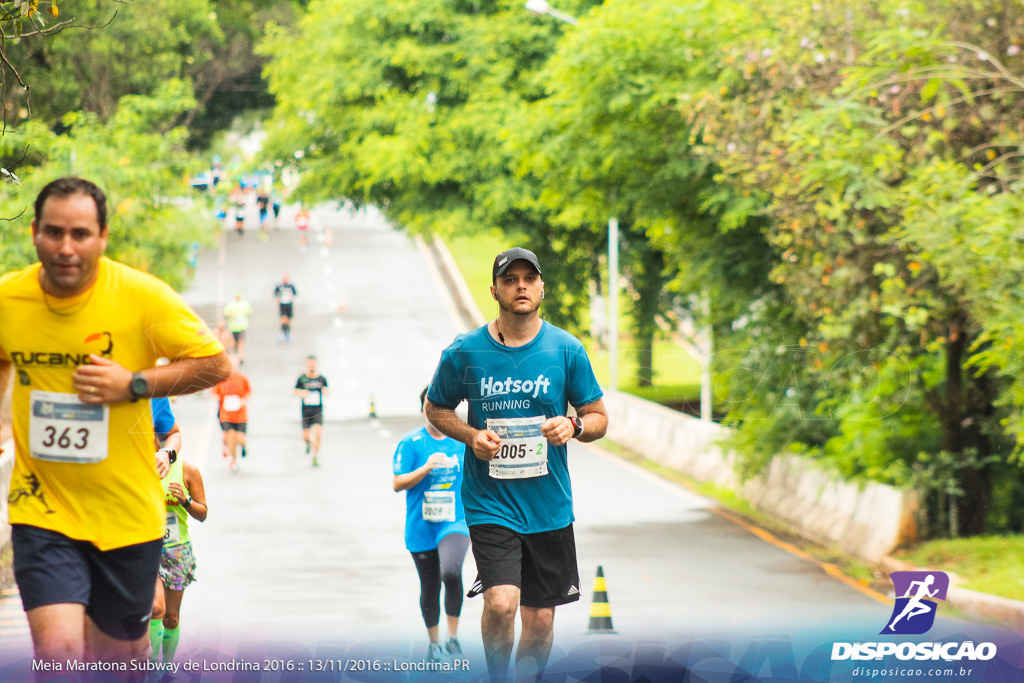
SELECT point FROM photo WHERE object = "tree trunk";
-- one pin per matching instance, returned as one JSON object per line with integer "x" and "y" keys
{"x": 645, "y": 357}
{"x": 979, "y": 480}
{"x": 648, "y": 277}
{"x": 965, "y": 410}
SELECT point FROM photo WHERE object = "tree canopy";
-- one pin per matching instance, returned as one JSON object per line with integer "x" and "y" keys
{"x": 840, "y": 182}
{"x": 835, "y": 188}
{"x": 122, "y": 92}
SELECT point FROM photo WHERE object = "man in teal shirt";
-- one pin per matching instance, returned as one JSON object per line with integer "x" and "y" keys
{"x": 518, "y": 375}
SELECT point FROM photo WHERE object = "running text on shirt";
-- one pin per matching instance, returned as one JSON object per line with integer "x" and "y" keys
{"x": 492, "y": 389}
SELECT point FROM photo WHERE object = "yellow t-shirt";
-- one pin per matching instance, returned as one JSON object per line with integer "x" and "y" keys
{"x": 69, "y": 476}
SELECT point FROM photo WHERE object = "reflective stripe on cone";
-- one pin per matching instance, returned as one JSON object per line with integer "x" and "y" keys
{"x": 600, "y": 610}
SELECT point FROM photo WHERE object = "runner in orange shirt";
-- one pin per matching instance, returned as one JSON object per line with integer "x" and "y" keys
{"x": 233, "y": 394}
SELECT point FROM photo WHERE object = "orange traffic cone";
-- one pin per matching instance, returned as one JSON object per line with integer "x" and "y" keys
{"x": 600, "y": 610}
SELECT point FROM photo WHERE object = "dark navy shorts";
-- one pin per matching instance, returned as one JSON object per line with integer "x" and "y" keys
{"x": 116, "y": 586}
{"x": 543, "y": 566}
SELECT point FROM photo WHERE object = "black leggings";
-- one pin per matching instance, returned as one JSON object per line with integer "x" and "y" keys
{"x": 441, "y": 565}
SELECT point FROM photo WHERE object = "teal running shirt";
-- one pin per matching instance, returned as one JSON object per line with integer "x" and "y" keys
{"x": 512, "y": 390}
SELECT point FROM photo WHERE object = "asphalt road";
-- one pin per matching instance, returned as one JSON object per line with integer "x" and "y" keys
{"x": 300, "y": 561}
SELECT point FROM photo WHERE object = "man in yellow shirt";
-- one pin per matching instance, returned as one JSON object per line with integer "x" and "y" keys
{"x": 80, "y": 338}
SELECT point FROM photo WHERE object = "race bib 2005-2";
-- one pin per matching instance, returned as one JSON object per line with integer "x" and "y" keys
{"x": 524, "y": 450}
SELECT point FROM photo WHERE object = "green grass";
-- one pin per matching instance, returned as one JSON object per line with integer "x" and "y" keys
{"x": 990, "y": 564}
{"x": 673, "y": 367}
{"x": 672, "y": 394}
{"x": 474, "y": 257}
{"x": 677, "y": 374}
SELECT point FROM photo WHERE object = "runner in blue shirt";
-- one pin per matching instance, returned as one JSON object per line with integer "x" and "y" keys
{"x": 428, "y": 467}
{"x": 518, "y": 375}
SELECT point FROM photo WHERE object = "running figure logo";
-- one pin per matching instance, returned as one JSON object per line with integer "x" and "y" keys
{"x": 917, "y": 592}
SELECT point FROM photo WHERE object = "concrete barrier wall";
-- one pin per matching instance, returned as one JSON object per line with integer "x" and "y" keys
{"x": 865, "y": 520}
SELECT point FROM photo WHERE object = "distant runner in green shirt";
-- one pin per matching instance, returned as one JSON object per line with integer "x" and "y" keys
{"x": 237, "y": 312}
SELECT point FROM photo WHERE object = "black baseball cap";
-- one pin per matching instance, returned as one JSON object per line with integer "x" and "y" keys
{"x": 503, "y": 260}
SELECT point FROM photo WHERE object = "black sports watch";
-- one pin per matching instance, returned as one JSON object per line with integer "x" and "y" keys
{"x": 138, "y": 387}
{"x": 172, "y": 455}
{"x": 577, "y": 427}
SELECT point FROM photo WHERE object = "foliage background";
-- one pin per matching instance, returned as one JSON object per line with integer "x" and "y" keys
{"x": 832, "y": 188}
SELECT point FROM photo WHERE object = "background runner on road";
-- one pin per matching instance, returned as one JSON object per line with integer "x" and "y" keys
{"x": 302, "y": 225}
{"x": 237, "y": 312}
{"x": 284, "y": 295}
{"x": 428, "y": 467}
{"x": 233, "y": 394}
{"x": 262, "y": 203}
{"x": 312, "y": 387}
{"x": 238, "y": 198}
{"x": 184, "y": 496}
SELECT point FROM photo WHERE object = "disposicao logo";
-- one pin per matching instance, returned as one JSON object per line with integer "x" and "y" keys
{"x": 914, "y": 614}
{"x": 916, "y": 596}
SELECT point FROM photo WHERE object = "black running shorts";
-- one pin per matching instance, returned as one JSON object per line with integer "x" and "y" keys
{"x": 116, "y": 586}
{"x": 543, "y": 566}
{"x": 312, "y": 416}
